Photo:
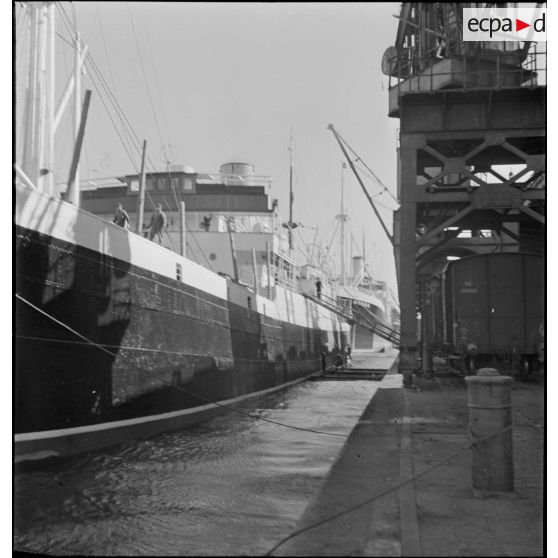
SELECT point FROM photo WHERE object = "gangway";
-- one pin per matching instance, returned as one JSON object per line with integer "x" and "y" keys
{"x": 358, "y": 315}
{"x": 333, "y": 305}
{"x": 364, "y": 317}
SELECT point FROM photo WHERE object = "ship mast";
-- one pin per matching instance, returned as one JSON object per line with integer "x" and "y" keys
{"x": 291, "y": 196}
{"x": 32, "y": 156}
{"x": 342, "y": 217}
{"x": 365, "y": 270}
{"x": 41, "y": 115}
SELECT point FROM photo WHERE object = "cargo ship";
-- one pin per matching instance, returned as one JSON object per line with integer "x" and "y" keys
{"x": 372, "y": 305}
{"x": 119, "y": 337}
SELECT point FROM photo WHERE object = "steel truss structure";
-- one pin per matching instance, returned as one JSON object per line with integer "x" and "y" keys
{"x": 472, "y": 156}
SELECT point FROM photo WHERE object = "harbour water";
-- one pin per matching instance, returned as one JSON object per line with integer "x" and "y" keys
{"x": 233, "y": 486}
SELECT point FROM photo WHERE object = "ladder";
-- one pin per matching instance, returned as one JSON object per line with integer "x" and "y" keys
{"x": 359, "y": 315}
{"x": 364, "y": 317}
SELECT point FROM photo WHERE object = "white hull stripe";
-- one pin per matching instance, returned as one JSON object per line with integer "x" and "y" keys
{"x": 77, "y": 430}
{"x": 61, "y": 220}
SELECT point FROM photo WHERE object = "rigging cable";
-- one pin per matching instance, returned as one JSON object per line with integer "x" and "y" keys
{"x": 105, "y": 46}
{"x": 175, "y": 195}
{"x": 200, "y": 249}
{"x": 170, "y": 384}
{"x": 133, "y": 138}
{"x": 152, "y": 167}
{"x": 128, "y": 128}
{"x": 165, "y": 121}
{"x": 387, "y": 491}
{"x": 126, "y": 125}
{"x": 122, "y": 141}
{"x": 89, "y": 61}
{"x": 369, "y": 169}
{"x": 307, "y": 255}
{"x": 300, "y": 173}
{"x": 332, "y": 237}
{"x": 144, "y": 74}
{"x": 63, "y": 142}
{"x": 365, "y": 171}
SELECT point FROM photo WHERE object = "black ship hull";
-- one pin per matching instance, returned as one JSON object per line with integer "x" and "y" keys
{"x": 102, "y": 342}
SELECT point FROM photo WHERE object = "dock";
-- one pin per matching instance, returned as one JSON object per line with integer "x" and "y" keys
{"x": 364, "y": 365}
{"x": 401, "y": 485}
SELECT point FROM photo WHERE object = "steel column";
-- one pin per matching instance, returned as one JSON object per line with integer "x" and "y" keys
{"x": 407, "y": 266}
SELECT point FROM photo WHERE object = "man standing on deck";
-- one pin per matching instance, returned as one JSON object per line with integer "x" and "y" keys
{"x": 158, "y": 223}
{"x": 121, "y": 218}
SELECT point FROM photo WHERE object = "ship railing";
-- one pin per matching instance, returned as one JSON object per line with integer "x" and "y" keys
{"x": 288, "y": 282}
{"x": 236, "y": 179}
{"x": 358, "y": 315}
{"x": 333, "y": 305}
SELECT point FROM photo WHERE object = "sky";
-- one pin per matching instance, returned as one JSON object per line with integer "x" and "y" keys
{"x": 228, "y": 82}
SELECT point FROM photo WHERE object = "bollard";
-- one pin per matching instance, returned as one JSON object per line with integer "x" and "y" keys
{"x": 489, "y": 402}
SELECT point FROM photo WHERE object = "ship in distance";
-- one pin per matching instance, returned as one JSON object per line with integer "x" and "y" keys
{"x": 120, "y": 337}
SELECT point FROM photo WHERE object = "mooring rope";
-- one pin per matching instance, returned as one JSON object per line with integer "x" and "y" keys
{"x": 385, "y": 492}
{"x": 179, "y": 388}
{"x": 472, "y": 443}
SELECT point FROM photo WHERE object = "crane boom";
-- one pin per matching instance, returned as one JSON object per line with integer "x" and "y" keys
{"x": 338, "y": 138}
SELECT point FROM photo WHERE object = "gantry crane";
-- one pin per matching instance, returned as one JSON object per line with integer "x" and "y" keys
{"x": 471, "y": 156}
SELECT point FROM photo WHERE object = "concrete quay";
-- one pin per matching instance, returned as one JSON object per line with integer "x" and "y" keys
{"x": 401, "y": 485}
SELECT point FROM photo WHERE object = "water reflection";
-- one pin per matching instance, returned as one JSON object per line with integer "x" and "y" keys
{"x": 233, "y": 486}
